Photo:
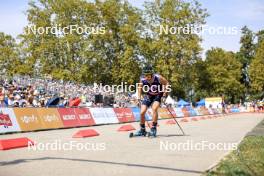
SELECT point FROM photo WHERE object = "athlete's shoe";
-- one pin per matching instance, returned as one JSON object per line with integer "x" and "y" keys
{"x": 153, "y": 132}
{"x": 141, "y": 132}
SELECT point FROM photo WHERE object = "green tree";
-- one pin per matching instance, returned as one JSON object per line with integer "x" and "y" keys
{"x": 118, "y": 49}
{"x": 256, "y": 72}
{"x": 109, "y": 57}
{"x": 224, "y": 72}
{"x": 260, "y": 37}
{"x": 173, "y": 53}
{"x": 246, "y": 54}
{"x": 9, "y": 55}
{"x": 59, "y": 54}
{"x": 202, "y": 83}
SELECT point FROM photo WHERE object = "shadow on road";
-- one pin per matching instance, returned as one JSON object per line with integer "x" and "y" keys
{"x": 21, "y": 161}
{"x": 172, "y": 135}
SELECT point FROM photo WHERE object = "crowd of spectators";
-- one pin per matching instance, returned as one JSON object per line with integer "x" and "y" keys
{"x": 24, "y": 91}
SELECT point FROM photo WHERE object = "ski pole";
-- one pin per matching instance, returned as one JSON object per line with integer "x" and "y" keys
{"x": 174, "y": 119}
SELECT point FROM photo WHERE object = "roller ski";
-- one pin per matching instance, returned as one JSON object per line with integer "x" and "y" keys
{"x": 140, "y": 133}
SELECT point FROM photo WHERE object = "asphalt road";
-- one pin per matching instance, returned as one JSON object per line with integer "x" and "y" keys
{"x": 114, "y": 153}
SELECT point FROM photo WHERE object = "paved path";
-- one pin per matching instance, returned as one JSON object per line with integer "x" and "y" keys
{"x": 113, "y": 153}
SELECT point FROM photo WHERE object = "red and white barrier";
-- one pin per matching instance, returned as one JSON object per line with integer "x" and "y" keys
{"x": 31, "y": 119}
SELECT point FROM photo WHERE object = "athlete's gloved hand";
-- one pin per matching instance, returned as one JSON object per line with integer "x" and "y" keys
{"x": 139, "y": 101}
{"x": 163, "y": 99}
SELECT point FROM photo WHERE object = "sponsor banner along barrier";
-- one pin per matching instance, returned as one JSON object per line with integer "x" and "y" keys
{"x": 164, "y": 113}
{"x": 215, "y": 111}
{"x": 251, "y": 109}
{"x": 234, "y": 110}
{"x": 185, "y": 112}
{"x": 136, "y": 113}
{"x": 28, "y": 119}
{"x": 84, "y": 116}
{"x": 211, "y": 112}
{"x": 68, "y": 117}
{"x": 192, "y": 112}
{"x": 50, "y": 118}
{"x": 204, "y": 111}
{"x": 178, "y": 112}
{"x": 149, "y": 114}
{"x": 242, "y": 109}
{"x": 198, "y": 112}
{"x": 124, "y": 114}
{"x": 171, "y": 112}
{"x": 227, "y": 111}
{"x": 103, "y": 115}
{"x": 8, "y": 121}
{"x": 213, "y": 102}
{"x": 219, "y": 111}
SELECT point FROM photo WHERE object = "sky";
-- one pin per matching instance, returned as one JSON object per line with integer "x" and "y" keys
{"x": 223, "y": 13}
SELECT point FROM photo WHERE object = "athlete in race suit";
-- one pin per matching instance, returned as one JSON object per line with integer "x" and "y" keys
{"x": 155, "y": 87}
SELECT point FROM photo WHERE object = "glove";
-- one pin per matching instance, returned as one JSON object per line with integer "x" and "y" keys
{"x": 139, "y": 101}
{"x": 163, "y": 99}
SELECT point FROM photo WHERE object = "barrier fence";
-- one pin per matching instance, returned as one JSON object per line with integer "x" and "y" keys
{"x": 32, "y": 119}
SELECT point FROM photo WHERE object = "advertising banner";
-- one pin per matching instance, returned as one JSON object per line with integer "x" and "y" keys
{"x": 198, "y": 112}
{"x": 234, "y": 110}
{"x": 136, "y": 112}
{"x": 103, "y": 115}
{"x": 178, "y": 112}
{"x": 8, "y": 121}
{"x": 68, "y": 117}
{"x": 210, "y": 111}
{"x": 204, "y": 111}
{"x": 192, "y": 112}
{"x": 50, "y": 118}
{"x": 185, "y": 112}
{"x": 213, "y": 102}
{"x": 124, "y": 114}
{"x": 84, "y": 116}
{"x": 28, "y": 119}
{"x": 148, "y": 115}
{"x": 215, "y": 111}
{"x": 164, "y": 113}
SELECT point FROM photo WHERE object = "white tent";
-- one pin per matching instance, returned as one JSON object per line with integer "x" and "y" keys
{"x": 170, "y": 100}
